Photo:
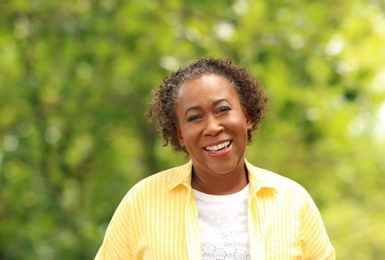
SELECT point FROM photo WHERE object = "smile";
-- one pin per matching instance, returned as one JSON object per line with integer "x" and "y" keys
{"x": 218, "y": 147}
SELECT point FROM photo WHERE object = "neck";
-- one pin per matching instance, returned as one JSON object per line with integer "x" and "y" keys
{"x": 220, "y": 184}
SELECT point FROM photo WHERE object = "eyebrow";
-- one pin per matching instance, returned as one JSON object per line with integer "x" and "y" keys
{"x": 216, "y": 102}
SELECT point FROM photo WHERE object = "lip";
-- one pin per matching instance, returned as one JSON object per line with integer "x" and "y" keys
{"x": 221, "y": 152}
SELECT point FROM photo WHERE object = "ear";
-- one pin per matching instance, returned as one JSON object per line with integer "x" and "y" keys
{"x": 249, "y": 121}
{"x": 179, "y": 135}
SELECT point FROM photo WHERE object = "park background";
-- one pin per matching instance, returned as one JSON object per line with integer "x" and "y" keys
{"x": 76, "y": 77}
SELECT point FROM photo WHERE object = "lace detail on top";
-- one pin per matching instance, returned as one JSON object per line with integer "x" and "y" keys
{"x": 223, "y": 222}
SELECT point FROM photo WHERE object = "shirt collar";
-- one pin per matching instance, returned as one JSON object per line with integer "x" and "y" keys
{"x": 182, "y": 175}
{"x": 259, "y": 179}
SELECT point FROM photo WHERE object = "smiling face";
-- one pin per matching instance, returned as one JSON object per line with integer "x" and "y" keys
{"x": 212, "y": 125}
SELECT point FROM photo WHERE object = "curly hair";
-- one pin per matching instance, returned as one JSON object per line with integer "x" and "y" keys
{"x": 162, "y": 110}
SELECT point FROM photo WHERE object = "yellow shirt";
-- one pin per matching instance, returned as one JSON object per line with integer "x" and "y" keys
{"x": 158, "y": 219}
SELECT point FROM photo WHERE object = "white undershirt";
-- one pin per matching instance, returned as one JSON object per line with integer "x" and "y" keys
{"x": 223, "y": 223}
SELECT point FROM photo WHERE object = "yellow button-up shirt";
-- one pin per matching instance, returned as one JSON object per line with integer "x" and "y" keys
{"x": 158, "y": 219}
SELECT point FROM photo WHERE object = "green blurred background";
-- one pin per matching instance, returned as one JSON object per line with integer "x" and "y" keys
{"x": 76, "y": 77}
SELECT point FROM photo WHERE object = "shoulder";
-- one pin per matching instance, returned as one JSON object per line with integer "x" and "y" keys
{"x": 288, "y": 194}
{"x": 159, "y": 182}
{"x": 166, "y": 177}
{"x": 263, "y": 178}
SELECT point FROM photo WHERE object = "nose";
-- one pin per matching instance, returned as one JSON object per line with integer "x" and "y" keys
{"x": 213, "y": 126}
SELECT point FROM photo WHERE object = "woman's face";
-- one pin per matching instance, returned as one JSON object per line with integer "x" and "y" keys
{"x": 212, "y": 125}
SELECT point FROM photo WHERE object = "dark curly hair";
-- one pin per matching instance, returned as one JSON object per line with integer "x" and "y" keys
{"x": 162, "y": 107}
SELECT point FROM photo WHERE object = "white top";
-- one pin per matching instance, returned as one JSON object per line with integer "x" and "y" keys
{"x": 223, "y": 223}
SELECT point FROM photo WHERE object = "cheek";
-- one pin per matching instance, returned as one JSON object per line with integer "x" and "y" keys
{"x": 190, "y": 135}
{"x": 239, "y": 123}
{"x": 239, "y": 127}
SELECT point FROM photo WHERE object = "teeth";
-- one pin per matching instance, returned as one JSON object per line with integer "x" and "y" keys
{"x": 217, "y": 147}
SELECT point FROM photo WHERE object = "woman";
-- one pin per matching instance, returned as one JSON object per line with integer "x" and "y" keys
{"x": 218, "y": 205}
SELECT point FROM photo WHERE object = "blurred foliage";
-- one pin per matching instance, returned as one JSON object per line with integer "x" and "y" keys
{"x": 75, "y": 78}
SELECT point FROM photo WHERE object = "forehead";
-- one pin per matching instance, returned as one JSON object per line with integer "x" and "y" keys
{"x": 205, "y": 93}
{"x": 207, "y": 85}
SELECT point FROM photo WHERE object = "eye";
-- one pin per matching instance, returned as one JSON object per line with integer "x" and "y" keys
{"x": 193, "y": 118}
{"x": 222, "y": 110}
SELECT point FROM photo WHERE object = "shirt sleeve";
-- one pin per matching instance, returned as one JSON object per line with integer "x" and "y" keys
{"x": 314, "y": 238}
{"x": 118, "y": 238}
